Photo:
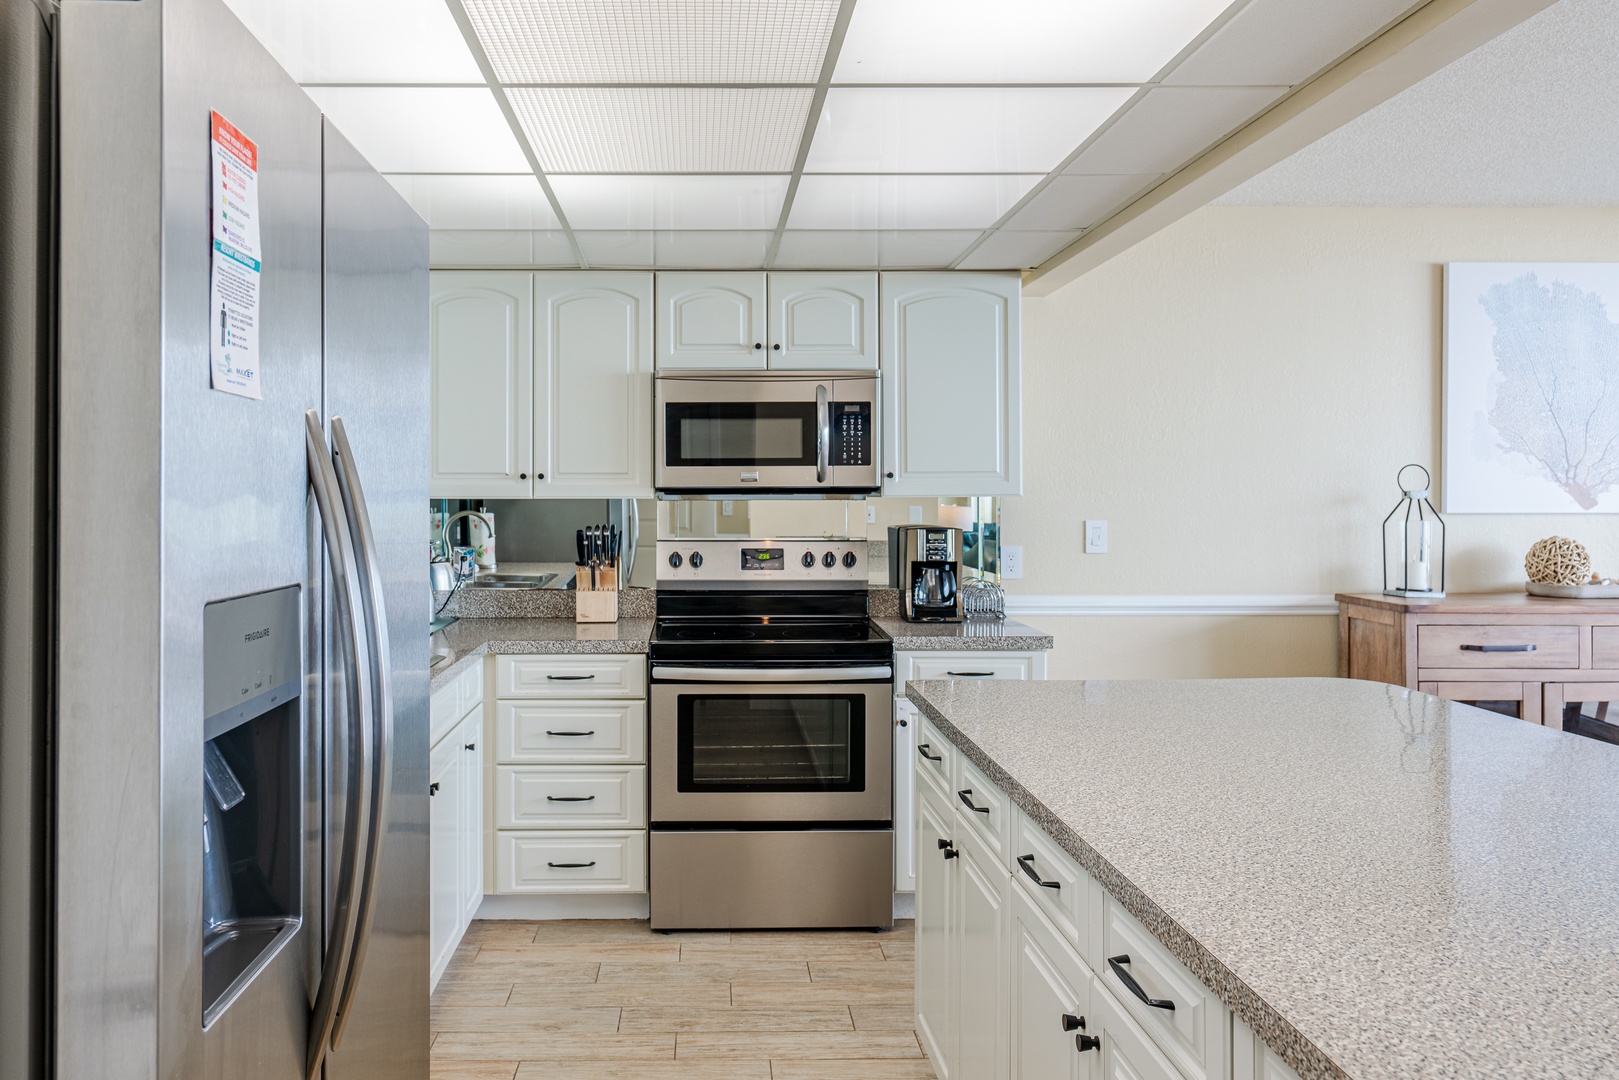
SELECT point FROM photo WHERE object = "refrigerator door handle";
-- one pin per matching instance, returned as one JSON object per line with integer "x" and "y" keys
{"x": 376, "y": 616}
{"x": 346, "y": 583}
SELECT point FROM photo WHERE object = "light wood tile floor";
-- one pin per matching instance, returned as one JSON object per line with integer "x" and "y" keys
{"x": 611, "y": 1000}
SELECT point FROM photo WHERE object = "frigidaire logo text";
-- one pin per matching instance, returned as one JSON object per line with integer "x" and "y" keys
{"x": 258, "y": 635}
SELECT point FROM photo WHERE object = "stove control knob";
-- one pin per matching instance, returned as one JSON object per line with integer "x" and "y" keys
{"x": 674, "y": 559}
{"x": 696, "y": 559}
{"x": 849, "y": 559}
{"x": 829, "y": 560}
{"x": 808, "y": 560}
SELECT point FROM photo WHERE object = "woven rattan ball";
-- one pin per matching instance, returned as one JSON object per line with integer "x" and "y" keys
{"x": 1557, "y": 560}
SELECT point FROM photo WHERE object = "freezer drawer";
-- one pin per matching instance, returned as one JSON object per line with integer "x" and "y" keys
{"x": 737, "y": 879}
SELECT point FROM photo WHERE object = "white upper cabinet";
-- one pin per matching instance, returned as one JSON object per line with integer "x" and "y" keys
{"x": 481, "y": 327}
{"x": 824, "y": 322}
{"x": 711, "y": 320}
{"x": 593, "y": 385}
{"x": 952, "y": 393}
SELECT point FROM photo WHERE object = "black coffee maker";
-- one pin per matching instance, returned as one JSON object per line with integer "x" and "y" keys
{"x": 925, "y": 565}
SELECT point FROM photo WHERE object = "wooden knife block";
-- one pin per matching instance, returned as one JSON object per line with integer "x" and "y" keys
{"x": 599, "y": 604}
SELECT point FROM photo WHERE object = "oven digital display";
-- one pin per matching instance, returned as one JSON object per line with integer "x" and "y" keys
{"x": 763, "y": 558}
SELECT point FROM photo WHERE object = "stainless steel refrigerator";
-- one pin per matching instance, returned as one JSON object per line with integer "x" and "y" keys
{"x": 213, "y": 754}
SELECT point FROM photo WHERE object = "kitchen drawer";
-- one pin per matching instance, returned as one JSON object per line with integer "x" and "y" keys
{"x": 935, "y": 758}
{"x": 450, "y": 703}
{"x": 984, "y": 805}
{"x": 1127, "y": 1053}
{"x": 570, "y": 797}
{"x": 1195, "y": 1033}
{"x": 562, "y": 862}
{"x": 965, "y": 665}
{"x": 533, "y": 732}
{"x": 1531, "y": 646}
{"x": 573, "y": 676}
{"x": 1605, "y": 653}
{"x": 1065, "y": 895}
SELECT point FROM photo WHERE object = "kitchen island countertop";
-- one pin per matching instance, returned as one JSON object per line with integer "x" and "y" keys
{"x": 1382, "y": 884}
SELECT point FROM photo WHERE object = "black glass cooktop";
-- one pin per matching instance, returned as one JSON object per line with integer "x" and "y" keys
{"x": 718, "y": 628}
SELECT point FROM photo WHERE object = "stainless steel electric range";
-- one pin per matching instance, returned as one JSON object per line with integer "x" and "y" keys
{"x": 772, "y": 746}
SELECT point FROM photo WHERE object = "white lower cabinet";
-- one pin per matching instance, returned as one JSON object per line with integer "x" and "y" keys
{"x": 455, "y": 820}
{"x": 906, "y": 722}
{"x": 1051, "y": 990}
{"x": 935, "y": 979}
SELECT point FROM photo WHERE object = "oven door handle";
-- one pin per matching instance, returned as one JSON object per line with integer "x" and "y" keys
{"x": 823, "y": 434}
{"x": 773, "y": 675}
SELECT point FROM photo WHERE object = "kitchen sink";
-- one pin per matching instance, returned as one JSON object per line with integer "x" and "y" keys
{"x": 511, "y": 581}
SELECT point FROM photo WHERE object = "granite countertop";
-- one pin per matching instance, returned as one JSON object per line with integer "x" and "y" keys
{"x": 1009, "y": 636}
{"x": 1382, "y": 884}
{"x": 466, "y": 640}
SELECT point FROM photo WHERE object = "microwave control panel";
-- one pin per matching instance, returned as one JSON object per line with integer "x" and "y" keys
{"x": 851, "y": 433}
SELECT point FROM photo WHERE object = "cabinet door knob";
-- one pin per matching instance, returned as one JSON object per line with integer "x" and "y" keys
{"x": 539, "y": 476}
{"x": 949, "y": 849}
{"x": 522, "y": 476}
{"x": 1087, "y": 1042}
{"x": 758, "y": 344}
{"x": 1070, "y": 1022}
{"x": 889, "y": 475}
{"x": 777, "y": 348}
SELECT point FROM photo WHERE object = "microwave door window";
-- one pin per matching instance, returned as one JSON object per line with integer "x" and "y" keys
{"x": 740, "y": 434}
{"x": 771, "y": 742}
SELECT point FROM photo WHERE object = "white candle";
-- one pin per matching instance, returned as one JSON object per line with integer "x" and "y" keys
{"x": 1418, "y": 559}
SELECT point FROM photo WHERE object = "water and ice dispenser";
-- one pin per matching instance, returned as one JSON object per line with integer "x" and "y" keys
{"x": 251, "y": 842}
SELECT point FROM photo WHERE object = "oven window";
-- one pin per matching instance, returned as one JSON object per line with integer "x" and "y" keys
{"x": 743, "y": 434}
{"x": 772, "y": 742}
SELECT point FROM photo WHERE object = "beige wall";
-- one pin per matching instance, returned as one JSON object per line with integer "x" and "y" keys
{"x": 1234, "y": 396}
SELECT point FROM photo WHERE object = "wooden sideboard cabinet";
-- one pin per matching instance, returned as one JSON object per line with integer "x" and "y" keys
{"x": 1551, "y": 662}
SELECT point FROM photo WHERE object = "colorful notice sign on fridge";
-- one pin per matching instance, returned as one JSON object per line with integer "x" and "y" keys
{"x": 234, "y": 280}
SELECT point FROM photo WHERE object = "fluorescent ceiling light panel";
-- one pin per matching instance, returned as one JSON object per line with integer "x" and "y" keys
{"x": 906, "y": 201}
{"x": 361, "y": 41}
{"x": 1077, "y": 202}
{"x": 413, "y": 129}
{"x": 448, "y": 201}
{"x": 1171, "y": 126}
{"x": 1053, "y": 41}
{"x": 670, "y": 202}
{"x": 710, "y": 250}
{"x": 665, "y": 41}
{"x": 663, "y": 130}
{"x": 957, "y": 129}
{"x": 1017, "y": 250}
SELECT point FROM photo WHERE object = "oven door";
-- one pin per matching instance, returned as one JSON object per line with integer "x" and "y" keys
{"x": 784, "y": 748}
{"x": 775, "y": 433}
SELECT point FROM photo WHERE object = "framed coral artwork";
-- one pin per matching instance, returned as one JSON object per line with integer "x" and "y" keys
{"x": 1531, "y": 413}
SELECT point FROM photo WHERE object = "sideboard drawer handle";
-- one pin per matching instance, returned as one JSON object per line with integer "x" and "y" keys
{"x": 1498, "y": 648}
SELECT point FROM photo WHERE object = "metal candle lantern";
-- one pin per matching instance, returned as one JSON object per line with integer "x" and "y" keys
{"x": 1414, "y": 543}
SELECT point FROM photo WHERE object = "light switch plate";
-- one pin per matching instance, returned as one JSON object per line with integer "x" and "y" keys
{"x": 1012, "y": 561}
{"x": 1095, "y": 537}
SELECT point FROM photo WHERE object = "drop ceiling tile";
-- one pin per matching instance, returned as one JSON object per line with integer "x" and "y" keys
{"x": 448, "y": 201}
{"x": 1004, "y": 250}
{"x": 414, "y": 129}
{"x": 1171, "y": 126}
{"x": 1077, "y": 202}
{"x": 670, "y": 202}
{"x": 663, "y": 129}
{"x": 970, "y": 41}
{"x": 906, "y": 201}
{"x": 499, "y": 247}
{"x": 828, "y": 250}
{"x": 361, "y": 41}
{"x": 711, "y": 249}
{"x": 654, "y": 40}
{"x": 617, "y": 247}
{"x": 914, "y": 249}
{"x": 957, "y": 129}
{"x": 1284, "y": 42}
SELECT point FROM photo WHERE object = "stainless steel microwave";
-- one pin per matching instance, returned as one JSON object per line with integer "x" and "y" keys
{"x": 757, "y": 431}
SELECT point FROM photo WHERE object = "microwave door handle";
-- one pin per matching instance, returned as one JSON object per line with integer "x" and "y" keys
{"x": 345, "y": 907}
{"x": 376, "y": 613}
{"x": 823, "y": 434}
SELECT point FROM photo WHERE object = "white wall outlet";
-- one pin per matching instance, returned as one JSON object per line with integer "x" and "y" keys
{"x": 727, "y": 507}
{"x": 916, "y": 515}
{"x": 1012, "y": 561}
{"x": 1096, "y": 538}
{"x": 871, "y": 514}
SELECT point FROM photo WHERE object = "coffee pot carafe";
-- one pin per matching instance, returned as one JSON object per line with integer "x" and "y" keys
{"x": 925, "y": 564}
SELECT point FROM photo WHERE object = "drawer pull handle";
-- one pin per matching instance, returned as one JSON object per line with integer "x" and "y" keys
{"x": 1117, "y": 964}
{"x": 967, "y": 799}
{"x": 570, "y": 798}
{"x": 1498, "y": 648}
{"x": 569, "y": 678}
{"x": 1026, "y": 864}
{"x": 571, "y": 865}
{"x": 949, "y": 849}
{"x": 472, "y": 746}
{"x": 572, "y": 734}
{"x": 923, "y": 748}
{"x": 432, "y": 789}
{"x": 970, "y": 674}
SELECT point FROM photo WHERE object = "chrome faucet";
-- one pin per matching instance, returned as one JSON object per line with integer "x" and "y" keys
{"x": 444, "y": 530}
